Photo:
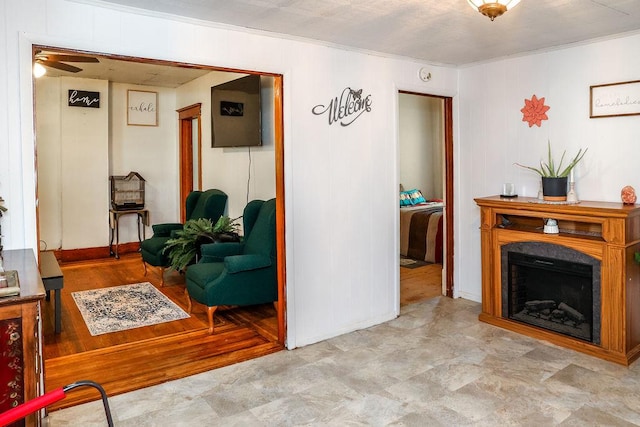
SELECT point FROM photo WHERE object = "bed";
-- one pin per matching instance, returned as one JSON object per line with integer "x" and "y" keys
{"x": 421, "y": 233}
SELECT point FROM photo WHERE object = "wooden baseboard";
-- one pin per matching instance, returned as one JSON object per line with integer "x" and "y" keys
{"x": 83, "y": 254}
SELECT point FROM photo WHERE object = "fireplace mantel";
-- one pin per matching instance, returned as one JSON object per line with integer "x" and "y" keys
{"x": 609, "y": 232}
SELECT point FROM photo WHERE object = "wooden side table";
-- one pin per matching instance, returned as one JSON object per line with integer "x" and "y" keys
{"x": 114, "y": 225}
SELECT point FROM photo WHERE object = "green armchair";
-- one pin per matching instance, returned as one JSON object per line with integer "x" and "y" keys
{"x": 199, "y": 204}
{"x": 238, "y": 273}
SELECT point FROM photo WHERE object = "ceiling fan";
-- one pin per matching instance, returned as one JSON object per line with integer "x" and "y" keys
{"x": 57, "y": 61}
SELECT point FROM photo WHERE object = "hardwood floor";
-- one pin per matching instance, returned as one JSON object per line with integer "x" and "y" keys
{"x": 420, "y": 283}
{"x": 137, "y": 358}
{"x": 141, "y": 357}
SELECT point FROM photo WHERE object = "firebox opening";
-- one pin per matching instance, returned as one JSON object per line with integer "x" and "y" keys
{"x": 552, "y": 294}
{"x": 560, "y": 284}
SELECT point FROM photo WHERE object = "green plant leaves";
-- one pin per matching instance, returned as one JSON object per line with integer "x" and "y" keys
{"x": 550, "y": 170}
{"x": 226, "y": 225}
{"x": 183, "y": 245}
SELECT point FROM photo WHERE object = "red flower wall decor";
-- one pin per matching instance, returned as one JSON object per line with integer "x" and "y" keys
{"x": 534, "y": 111}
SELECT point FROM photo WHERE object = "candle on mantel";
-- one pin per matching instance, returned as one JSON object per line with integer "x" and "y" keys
{"x": 571, "y": 176}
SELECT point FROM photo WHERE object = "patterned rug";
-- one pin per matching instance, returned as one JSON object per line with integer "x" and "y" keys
{"x": 411, "y": 263}
{"x": 125, "y": 307}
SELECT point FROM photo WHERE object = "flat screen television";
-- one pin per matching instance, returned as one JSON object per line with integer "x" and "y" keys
{"x": 236, "y": 113}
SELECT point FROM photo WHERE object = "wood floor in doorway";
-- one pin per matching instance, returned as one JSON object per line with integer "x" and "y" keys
{"x": 420, "y": 283}
{"x": 137, "y": 358}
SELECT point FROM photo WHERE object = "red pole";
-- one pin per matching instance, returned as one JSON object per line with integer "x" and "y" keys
{"x": 31, "y": 406}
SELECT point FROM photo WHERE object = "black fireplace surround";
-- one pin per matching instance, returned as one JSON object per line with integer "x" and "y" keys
{"x": 551, "y": 287}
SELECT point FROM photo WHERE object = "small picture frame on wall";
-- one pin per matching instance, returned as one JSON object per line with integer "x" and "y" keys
{"x": 142, "y": 108}
{"x": 615, "y": 99}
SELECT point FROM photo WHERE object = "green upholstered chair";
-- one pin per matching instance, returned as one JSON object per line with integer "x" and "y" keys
{"x": 199, "y": 204}
{"x": 240, "y": 273}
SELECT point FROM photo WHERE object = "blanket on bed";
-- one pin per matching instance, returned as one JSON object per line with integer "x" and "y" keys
{"x": 421, "y": 234}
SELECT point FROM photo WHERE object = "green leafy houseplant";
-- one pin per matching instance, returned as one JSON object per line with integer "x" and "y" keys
{"x": 552, "y": 170}
{"x": 184, "y": 244}
{"x": 226, "y": 225}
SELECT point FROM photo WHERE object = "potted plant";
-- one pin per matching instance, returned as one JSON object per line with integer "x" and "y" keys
{"x": 226, "y": 229}
{"x": 554, "y": 175}
{"x": 184, "y": 246}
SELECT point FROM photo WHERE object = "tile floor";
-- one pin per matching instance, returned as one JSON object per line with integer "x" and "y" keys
{"x": 435, "y": 365}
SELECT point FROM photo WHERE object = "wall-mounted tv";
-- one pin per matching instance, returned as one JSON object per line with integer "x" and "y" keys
{"x": 236, "y": 113}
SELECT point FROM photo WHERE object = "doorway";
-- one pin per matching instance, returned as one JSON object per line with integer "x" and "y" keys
{"x": 190, "y": 152}
{"x": 426, "y": 196}
{"x": 190, "y": 132}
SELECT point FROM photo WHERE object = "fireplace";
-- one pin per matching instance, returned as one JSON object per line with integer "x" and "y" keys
{"x": 552, "y": 287}
{"x": 586, "y": 273}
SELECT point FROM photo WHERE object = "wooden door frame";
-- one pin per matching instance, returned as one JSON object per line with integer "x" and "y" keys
{"x": 449, "y": 185}
{"x": 449, "y": 191}
{"x": 278, "y": 122}
{"x": 279, "y": 159}
{"x": 185, "y": 124}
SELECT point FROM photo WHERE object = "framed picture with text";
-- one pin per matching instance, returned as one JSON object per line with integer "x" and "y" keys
{"x": 615, "y": 99}
{"x": 142, "y": 108}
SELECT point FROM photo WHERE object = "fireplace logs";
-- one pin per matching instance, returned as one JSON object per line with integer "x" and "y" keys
{"x": 535, "y": 305}
{"x": 571, "y": 312}
{"x": 564, "y": 318}
{"x": 549, "y": 310}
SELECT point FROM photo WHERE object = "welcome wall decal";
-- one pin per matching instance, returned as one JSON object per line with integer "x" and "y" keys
{"x": 346, "y": 108}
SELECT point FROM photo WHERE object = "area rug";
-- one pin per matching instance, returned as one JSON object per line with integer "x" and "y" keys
{"x": 411, "y": 263}
{"x": 125, "y": 307}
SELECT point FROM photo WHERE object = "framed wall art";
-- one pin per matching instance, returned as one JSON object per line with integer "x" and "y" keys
{"x": 83, "y": 98}
{"x": 142, "y": 108}
{"x": 615, "y": 99}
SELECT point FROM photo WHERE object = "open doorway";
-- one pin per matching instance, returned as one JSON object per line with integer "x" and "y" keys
{"x": 79, "y": 148}
{"x": 426, "y": 197}
{"x": 190, "y": 151}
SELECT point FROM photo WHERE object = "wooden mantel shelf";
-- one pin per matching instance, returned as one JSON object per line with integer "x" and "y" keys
{"x": 583, "y": 207}
{"x": 608, "y": 232}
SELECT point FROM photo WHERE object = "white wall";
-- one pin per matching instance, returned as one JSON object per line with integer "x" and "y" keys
{"x": 79, "y": 148}
{"x": 152, "y": 151}
{"x": 341, "y": 183}
{"x": 49, "y": 162}
{"x": 73, "y": 164}
{"x": 421, "y": 133}
{"x": 493, "y": 136}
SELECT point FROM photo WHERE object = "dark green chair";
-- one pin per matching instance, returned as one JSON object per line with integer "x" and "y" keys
{"x": 199, "y": 204}
{"x": 239, "y": 273}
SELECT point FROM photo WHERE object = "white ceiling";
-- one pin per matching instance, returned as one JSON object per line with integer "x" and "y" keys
{"x": 128, "y": 71}
{"x": 438, "y": 31}
{"x": 447, "y": 32}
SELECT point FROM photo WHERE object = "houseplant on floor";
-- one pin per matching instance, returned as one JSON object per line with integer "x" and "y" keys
{"x": 184, "y": 246}
{"x": 554, "y": 175}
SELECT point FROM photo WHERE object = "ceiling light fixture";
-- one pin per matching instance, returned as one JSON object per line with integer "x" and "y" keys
{"x": 38, "y": 70}
{"x": 493, "y": 9}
